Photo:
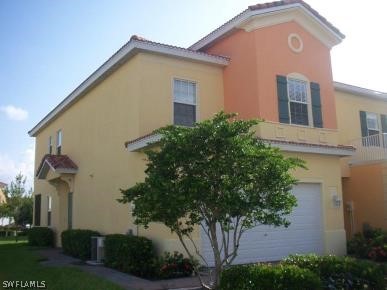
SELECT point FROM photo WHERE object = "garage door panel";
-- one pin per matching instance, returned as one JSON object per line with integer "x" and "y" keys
{"x": 268, "y": 243}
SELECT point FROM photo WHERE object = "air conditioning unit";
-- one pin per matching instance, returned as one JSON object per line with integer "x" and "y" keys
{"x": 97, "y": 250}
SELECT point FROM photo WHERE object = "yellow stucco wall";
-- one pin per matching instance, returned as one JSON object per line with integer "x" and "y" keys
{"x": 325, "y": 170}
{"x": 366, "y": 190}
{"x": 133, "y": 101}
{"x": 348, "y": 118}
{"x": 2, "y": 196}
{"x": 364, "y": 181}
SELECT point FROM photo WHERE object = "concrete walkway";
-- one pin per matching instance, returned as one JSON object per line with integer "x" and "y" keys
{"x": 55, "y": 258}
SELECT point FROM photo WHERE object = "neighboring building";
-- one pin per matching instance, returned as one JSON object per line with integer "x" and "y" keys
{"x": 2, "y": 194}
{"x": 362, "y": 122}
{"x": 272, "y": 61}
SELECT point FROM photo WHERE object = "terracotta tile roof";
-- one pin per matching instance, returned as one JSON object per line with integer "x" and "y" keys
{"x": 285, "y": 142}
{"x": 307, "y": 6}
{"x": 271, "y": 5}
{"x": 316, "y": 145}
{"x": 57, "y": 162}
{"x": 138, "y": 139}
{"x": 142, "y": 39}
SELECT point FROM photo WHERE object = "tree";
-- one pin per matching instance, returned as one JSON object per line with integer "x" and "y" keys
{"x": 218, "y": 176}
{"x": 19, "y": 203}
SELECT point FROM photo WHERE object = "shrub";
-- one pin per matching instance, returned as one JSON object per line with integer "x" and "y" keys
{"x": 341, "y": 272}
{"x": 264, "y": 277}
{"x": 130, "y": 254}
{"x": 175, "y": 265}
{"x": 77, "y": 243}
{"x": 40, "y": 237}
{"x": 371, "y": 244}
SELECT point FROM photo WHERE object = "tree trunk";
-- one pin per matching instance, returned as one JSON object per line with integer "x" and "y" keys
{"x": 217, "y": 255}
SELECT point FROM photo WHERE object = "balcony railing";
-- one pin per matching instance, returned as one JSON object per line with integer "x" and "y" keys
{"x": 370, "y": 148}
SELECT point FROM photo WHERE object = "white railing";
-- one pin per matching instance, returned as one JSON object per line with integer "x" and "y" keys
{"x": 370, "y": 148}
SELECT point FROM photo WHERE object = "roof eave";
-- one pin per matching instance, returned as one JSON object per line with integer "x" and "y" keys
{"x": 245, "y": 15}
{"x": 358, "y": 91}
{"x": 127, "y": 51}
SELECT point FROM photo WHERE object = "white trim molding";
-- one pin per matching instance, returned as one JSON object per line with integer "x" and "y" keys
{"x": 131, "y": 48}
{"x": 315, "y": 149}
{"x": 363, "y": 92}
{"x": 251, "y": 19}
{"x": 142, "y": 142}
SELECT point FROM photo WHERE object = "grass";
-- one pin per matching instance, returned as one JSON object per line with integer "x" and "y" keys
{"x": 18, "y": 262}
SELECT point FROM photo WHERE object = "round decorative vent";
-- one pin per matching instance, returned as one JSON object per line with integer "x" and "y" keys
{"x": 295, "y": 42}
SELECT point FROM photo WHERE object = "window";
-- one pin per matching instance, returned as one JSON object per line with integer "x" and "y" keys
{"x": 372, "y": 124}
{"x": 49, "y": 207}
{"x": 59, "y": 142}
{"x": 38, "y": 202}
{"x": 184, "y": 103}
{"x": 50, "y": 145}
{"x": 298, "y": 101}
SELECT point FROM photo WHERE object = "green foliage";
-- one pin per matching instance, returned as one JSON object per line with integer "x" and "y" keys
{"x": 372, "y": 244}
{"x": 216, "y": 173}
{"x": 40, "y": 237}
{"x": 20, "y": 263}
{"x": 23, "y": 213}
{"x": 175, "y": 265}
{"x": 341, "y": 272}
{"x": 264, "y": 277}
{"x": 77, "y": 243}
{"x": 130, "y": 254}
{"x": 19, "y": 202}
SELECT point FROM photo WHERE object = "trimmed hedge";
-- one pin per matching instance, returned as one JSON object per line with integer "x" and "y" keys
{"x": 77, "y": 243}
{"x": 341, "y": 272}
{"x": 40, "y": 237}
{"x": 130, "y": 254}
{"x": 264, "y": 277}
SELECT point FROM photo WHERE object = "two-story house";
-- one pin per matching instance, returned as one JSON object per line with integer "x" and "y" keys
{"x": 2, "y": 195}
{"x": 362, "y": 122}
{"x": 272, "y": 61}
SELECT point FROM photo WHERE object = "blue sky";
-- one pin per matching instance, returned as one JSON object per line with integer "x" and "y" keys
{"x": 47, "y": 48}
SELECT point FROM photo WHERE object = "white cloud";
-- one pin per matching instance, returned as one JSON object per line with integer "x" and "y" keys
{"x": 14, "y": 113}
{"x": 10, "y": 167}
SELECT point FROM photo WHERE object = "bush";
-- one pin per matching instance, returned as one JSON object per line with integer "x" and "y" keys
{"x": 175, "y": 265}
{"x": 77, "y": 243}
{"x": 341, "y": 272}
{"x": 264, "y": 277}
{"x": 372, "y": 244}
{"x": 40, "y": 237}
{"x": 130, "y": 254}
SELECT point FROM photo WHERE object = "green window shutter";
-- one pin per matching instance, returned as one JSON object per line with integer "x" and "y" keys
{"x": 363, "y": 124}
{"x": 37, "y": 210}
{"x": 283, "y": 100}
{"x": 383, "y": 119}
{"x": 316, "y": 105}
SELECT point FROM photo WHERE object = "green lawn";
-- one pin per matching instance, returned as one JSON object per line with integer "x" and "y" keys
{"x": 18, "y": 262}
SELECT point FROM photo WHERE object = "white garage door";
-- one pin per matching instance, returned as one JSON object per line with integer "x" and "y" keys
{"x": 266, "y": 243}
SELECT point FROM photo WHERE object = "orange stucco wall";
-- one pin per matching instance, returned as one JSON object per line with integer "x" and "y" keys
{"x": 258, "y": 56}
{"x": 365, "y": 187}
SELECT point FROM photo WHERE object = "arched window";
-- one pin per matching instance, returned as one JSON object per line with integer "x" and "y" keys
{"x": 299, "y": 101}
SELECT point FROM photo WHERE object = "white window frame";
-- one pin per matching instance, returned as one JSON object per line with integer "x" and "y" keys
{"x": 49, "y": 210}
{"x": 59, "y": 137}
{"x": 376, "y": 119}
{"x": 302, "y": 78}
{"x": 196, "y": 103}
